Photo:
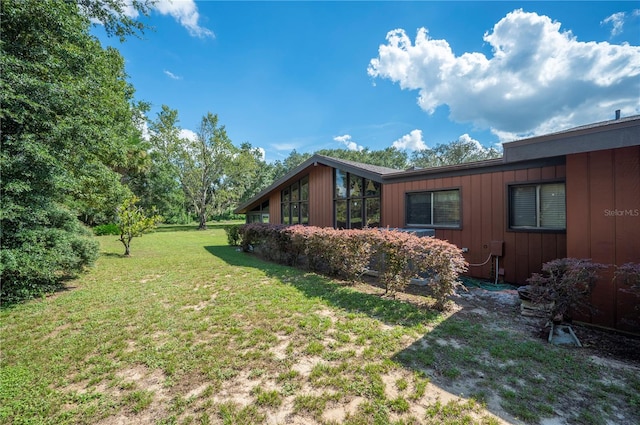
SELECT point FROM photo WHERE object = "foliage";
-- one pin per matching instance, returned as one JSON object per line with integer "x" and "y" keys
{"x": 106, "y": 229}
{"x": 399, "y": 256}
{"x": 233, "y": 234}
{"x": 133, "y": 222}
{"x": 117, "y": 15}
{"x": 213, "y": 174}
{"x": 629, "y": 275}
{"x": 456, "y": 152}
{"x": 67, "y": 123}
{"x": 567, "y": 283}
{"x": 49, "y": 246}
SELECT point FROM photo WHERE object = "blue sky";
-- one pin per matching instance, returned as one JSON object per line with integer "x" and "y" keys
{"x": 316, "y": 75}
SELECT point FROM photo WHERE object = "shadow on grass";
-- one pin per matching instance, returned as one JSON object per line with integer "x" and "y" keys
{"x": 392, "y": 312}
{"x": 521, "y": 379}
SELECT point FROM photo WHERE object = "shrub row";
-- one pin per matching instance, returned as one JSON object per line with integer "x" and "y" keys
{"x": 397, "y": 256}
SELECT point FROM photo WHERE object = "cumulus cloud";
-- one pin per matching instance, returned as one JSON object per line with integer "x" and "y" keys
{"x": 188, "y": 134}
{"x": 539, "y": 79}
{"x": 186, "y": 13}
{"x": 412, "y": 141}
{"x": 172, "y": 75}
{"x": 350, "y": 144}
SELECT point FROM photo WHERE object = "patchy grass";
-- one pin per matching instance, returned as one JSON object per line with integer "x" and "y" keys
{"x": 188, "y": 330}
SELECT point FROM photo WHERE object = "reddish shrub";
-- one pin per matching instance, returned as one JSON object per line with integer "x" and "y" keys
{"x": 567, "y": 283}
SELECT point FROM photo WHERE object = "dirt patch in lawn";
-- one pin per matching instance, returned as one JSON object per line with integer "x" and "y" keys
{"x": 473, "y": 383}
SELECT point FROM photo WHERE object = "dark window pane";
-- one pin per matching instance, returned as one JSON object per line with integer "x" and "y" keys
{"x": 304, "y": 213}
{"x": 419, "y": 208}
{"x": 373, "y": 212}
{"x": 355, "y": 186}
{"x": 523, "y": 206}
{"x": 286, "y": 196}
{"x": 371, "y": 188}
{"x": 552, "y": 206}
{"x": 265, "y": 206}
{"x": 341, "y": 184}
{"x": 286, "y": 214}
{"x": 341, "y": 214}
{"x": 446, "y": 208}
{"x": 295, "y": 192}
{"x": 304, "y": 189}
{"x": 355, "y": 214}
{"x": 295, "y": 213}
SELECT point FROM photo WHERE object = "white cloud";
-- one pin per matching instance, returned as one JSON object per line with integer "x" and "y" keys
{"x": 188, "y": 134}
{"x": 465, "y": 138}
{"x": 350, "y": 144}
{"x": 186, "y": 13}
{"x": 172, "y": 75}
{"x": 538, "y": 80}
{"x": 284, "y": 146}
{"x": 617, "y": 22}
{"x": 411, "y": 141}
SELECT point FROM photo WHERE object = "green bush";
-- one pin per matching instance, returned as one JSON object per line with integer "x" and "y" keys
{"x": 106, "y": 229}
{"x": 233, "y": 234}
{"x": 39, "y": 256}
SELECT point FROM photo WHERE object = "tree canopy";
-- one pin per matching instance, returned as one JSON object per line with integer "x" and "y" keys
{"x": 66, "y": 112}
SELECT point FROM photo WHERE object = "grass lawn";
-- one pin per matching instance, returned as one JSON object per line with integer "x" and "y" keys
{"x": 190, "y": 331}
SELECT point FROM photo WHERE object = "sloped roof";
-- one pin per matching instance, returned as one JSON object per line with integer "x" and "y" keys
{"x": 619, "y": 133}
{"x": 372, "y": 172}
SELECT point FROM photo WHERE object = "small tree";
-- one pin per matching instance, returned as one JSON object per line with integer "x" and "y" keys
{"x": 133, "y": 222}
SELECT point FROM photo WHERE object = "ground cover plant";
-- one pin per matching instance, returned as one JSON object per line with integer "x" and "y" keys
{"x": 193, "y": 331}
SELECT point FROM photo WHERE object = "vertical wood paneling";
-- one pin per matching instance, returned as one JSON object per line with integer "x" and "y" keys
{"x": 275, "y": 213}
{"x": 578, "y": 211}
{"x": 485, "y": 219}
{"x": 601, "y": 184}
{"x": 627, "y": 230}
{"x": 321, "y": 196}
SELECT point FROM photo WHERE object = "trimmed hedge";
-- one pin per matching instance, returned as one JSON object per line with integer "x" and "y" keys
{"x": 348, "y": 254}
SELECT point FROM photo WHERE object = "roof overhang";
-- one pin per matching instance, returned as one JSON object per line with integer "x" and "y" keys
{"x": 613, "y": 134}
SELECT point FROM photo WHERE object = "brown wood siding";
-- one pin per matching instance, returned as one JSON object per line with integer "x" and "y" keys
{"x": 275, "y": 211}
{"x": 321, "y": 196}
{"x": 603, "y": 223}
{"x": 484, "y": 219}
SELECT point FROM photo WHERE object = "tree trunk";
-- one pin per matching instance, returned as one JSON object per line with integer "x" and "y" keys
{"x": 203, "y": 221}
{"x": 127, "y": 253}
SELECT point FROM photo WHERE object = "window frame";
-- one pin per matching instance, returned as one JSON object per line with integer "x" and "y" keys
{"x": 301, "y": 204}
{"x": 537, "y": 184}
{"x": 432, "y": 192}
{"x": 347, "y": 180}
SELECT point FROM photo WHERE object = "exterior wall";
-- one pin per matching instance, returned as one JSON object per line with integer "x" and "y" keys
{"x": 484, "y": 219}
{"x": 320, "y": 196}
{"x": 603, "y": 223}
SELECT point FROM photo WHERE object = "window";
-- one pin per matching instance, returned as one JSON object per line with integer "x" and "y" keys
{"x": 439, "y": 208}
{"x": 356, "y": 201}
{"x": 295, "y": 203}
{"x": 539, "y": 206}
{"x": 259, "y": 214}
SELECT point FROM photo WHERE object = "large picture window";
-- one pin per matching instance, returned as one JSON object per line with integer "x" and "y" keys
{"x": 436, "y": 208}
{"x": 295, "y": 202}
{"x": 537, "y": 206}
{"x": 356, "y": 201}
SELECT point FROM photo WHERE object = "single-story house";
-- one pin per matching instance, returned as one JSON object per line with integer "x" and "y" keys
{"x": 574, "y": 193}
